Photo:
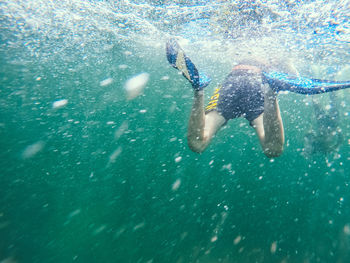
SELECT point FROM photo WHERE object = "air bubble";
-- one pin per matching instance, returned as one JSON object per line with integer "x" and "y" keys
{"x": 106, "y": 82}
{"x": 135, "y": 85}
{"x": 59, "y": 103}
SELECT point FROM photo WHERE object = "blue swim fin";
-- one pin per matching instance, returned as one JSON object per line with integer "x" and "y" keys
{"x": 284, "y": 82}
{"x": 178, "y": 59}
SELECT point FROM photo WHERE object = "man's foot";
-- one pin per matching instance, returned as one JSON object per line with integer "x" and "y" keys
{"x": 178, "y": 59}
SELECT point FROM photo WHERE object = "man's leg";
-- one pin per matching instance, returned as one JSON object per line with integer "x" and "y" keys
{"x": 269, "y": 126}
{"x": 202, "y": 127}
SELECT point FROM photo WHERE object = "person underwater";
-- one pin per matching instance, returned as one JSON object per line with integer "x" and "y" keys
{"x": 249, "y": 91}
{"x": 326, "y": 137}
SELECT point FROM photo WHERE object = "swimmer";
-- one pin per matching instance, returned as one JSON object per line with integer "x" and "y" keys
{"x": 326, "y": 138}
{"x": 249, "y": 91}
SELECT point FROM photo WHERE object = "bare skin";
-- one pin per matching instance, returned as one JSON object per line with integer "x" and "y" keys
{"x": 268, "y": 125}
{"x": 202, "y": 127}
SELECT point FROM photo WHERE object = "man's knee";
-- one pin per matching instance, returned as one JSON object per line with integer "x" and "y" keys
{"x": 196, "y": 145}
{"x": 273, "y": 152}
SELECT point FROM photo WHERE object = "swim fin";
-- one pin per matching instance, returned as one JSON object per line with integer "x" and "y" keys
{"x": 178, "y": 59}
{"x": 284, "y": 82}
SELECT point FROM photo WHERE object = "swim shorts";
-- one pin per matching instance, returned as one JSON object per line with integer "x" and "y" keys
{"x": 240, "y": 95}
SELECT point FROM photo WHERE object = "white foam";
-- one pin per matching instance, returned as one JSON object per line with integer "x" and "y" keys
{"x": 343, "y": 74}
{"x": 90, "y": 20}
{"x": 135, "y": 85}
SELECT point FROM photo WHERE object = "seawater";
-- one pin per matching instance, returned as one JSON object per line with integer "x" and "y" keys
{"x": 90, "y": 176}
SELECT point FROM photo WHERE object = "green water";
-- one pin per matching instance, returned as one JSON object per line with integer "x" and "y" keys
{"x": 69, "y": 202}
{"x": 106, "y": 179}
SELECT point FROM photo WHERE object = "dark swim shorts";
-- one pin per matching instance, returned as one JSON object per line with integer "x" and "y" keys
{"x": 240, "y": 95}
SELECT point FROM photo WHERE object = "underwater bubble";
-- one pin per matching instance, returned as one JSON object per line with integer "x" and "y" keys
{"x": 237, "y": 240}
{"x": 227, "y": 166}
{"x": 74, "y": 213}
{"x": 176, "y": 184}
{"x": 115, "y": 155}
{"x": 99, "y": 229}
{"x": 123, "y": 127}
{"x": 214, "y": 238}
{"x": 343, "y": 74}
{"x": 119, "y": 232}
{"x": 273, "y": 247}
{"x": 123, "y": 66}
{"x": 32, "y": 149}
{"x": 106, "y": 82}
{"x": 178, "y": 159}
{"x": 135, "y": 85}
{"x": 346, "y": 229}
{"x": 59, "y": 103}
{"x": 138, "y": 226}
